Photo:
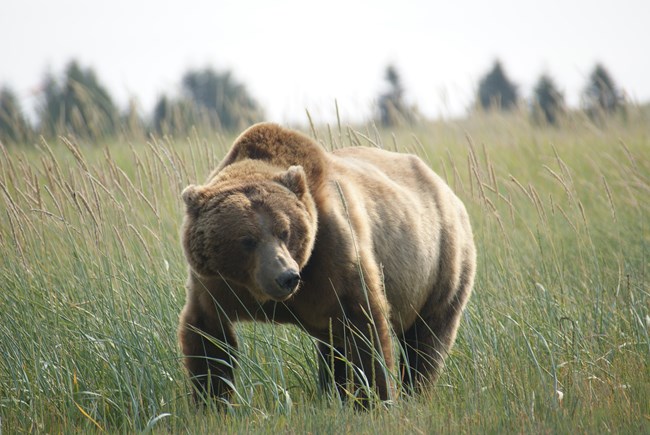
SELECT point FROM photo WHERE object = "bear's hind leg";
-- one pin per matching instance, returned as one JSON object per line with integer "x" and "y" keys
{"x": 427, "y": 342}
{"x": 425, "y": 346}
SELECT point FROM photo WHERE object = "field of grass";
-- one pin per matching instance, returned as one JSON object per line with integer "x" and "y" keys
{"x": 554, "y": 339}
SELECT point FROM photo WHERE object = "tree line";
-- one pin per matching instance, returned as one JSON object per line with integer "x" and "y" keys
{"x": 76, "y": 104}
{"x": 600, "y": 98}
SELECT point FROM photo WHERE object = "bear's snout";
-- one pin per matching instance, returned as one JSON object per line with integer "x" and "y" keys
{"x": 288, "y": 281}
{"x": 277, "y": 274}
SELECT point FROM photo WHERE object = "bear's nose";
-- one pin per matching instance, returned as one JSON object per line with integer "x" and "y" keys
{"x": 288, "y": 280}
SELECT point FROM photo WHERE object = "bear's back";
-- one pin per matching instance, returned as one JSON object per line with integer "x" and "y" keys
{"x": 279, "y": 147}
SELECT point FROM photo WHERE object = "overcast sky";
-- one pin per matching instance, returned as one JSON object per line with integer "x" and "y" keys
{"x": 293, "y": 55}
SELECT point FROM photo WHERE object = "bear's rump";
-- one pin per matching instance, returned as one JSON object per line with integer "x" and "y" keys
{"x": 398, "y": 217}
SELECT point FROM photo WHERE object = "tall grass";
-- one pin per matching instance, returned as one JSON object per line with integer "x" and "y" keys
{"x": 555, "y": 337}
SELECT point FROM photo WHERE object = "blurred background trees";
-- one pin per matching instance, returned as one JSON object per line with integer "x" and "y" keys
{"x": 14, "y": 127}
{"x": 548, "y": 101}
{"x": 224, "y": 99}
{"x": 174, "y": 116}
{"x": 77, "y": 105}
{"x": 393, "y": 110}
{"x": 601, "y": 96}
{"x": 496, "y": 91}
{"x": 132, "y": 121}
{"x": 209, "y": 99}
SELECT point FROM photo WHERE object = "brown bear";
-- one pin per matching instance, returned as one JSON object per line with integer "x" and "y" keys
{"x": 355, "y": 246}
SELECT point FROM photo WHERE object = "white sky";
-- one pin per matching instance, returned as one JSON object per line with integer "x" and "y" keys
{"x": 293, "y": 54}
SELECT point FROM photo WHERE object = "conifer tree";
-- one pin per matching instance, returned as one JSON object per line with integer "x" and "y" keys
{"x": 496, "y": 91}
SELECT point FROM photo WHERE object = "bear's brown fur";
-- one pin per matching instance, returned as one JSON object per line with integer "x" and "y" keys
{"x": 349, "y": 245}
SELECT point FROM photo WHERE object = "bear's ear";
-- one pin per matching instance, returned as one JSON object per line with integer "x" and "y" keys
{"x": 192, "y": 197}
{"x": 294, "y": 179}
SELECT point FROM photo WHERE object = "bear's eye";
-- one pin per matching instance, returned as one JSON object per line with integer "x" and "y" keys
{"x": 284, "y": 235}
{"x": 249, "y": 243}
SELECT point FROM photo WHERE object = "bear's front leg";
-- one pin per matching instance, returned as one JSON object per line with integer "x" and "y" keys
{"x": 332, "y": 368}
{"x": 208, "y": 345}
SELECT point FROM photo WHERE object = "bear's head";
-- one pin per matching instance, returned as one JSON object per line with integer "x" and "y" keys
{"x": 253, "y": 225}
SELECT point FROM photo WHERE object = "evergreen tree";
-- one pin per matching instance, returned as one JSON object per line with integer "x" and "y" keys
{"x": 221, "y": 100}
{"x": 496, "y": 90}
{"x": 174, "y": 117}
{"x": 548, "y": 102}
{"x": 601, "y": 95}
{"x": 14, "y": 128}
{"x": 81, "y": 106}
{"x": 51, "y": 111}
{"x": 161, "y": 115}
{"x": 392, "y": 108}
